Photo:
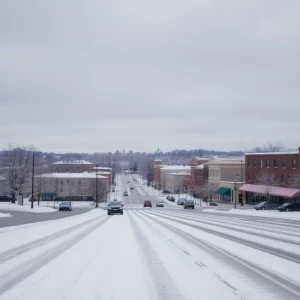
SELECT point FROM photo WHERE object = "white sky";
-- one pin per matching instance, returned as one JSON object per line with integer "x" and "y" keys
{"x": 104, "y": 75}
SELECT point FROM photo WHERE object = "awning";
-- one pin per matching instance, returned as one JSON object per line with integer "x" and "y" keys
{"x": 48, "y": 195}
{"x": 223, "y": 191}
{"x": 270, "y": 190}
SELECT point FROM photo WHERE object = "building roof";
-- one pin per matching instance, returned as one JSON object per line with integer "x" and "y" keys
{"x": 172, "y": 167}
{"x": 72, "y": 162}
{"x": 273, "y": 153}
{"x": 272, "y": 190}
{"x": 179, "y": 173}
{"x": 199, "y": 167}
{"x": 72, "y": 175}
{"x": 226, "y": 160}
{"x": 102, "y": 168}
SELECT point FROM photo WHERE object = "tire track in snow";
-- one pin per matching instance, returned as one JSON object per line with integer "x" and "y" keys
{"x": 265, "y": 248}
{"x": 163, "y": 283}
{"x": 23, "y": 270}
{"x": 277, "y": 284}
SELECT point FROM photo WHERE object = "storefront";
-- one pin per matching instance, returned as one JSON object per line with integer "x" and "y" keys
{"x": 258, "y": 193}
{"x": 228, "y": 192}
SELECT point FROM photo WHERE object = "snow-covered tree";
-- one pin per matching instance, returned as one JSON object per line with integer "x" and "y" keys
{"x": 208, "y": 190}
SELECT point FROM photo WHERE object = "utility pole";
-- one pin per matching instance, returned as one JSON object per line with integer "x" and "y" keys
{"x": 32, "y": 180}
{"x": 96, "y": 185}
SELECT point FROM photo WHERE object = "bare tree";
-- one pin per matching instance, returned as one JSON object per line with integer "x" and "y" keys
{"x": 269, "y": 147}
{"x": 19, "y": 165}
{"x": 268, "y": 180}
{"x": 71, "y": 188}
{"x": 208, "y": 190}
{"x": 99, "y": 193}
{"x": 295, "y": 180}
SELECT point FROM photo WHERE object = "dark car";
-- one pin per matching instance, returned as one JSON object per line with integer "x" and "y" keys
{"x": 166, "y": 192}
{"x": 147, "y": 203}
{"x": 125, "y": 194}
{"x": 181, "y": 201}
{"x": 65, "y": 205}
{"x": 189, "y": 204}
{"x": 289, "y": 207}
{"x": 115, "y": 207}
{"x": 171, "y": 198}
{"x": 131, "y": 187}
{"x": 160, "y": 203}
{"x": 213, "y": 204}
{"x": 5, "y": 198}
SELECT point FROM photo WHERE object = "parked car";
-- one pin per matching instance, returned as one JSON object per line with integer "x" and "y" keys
{"x": 5, "y": 198}
{"x": 65, "y": 205}
{"x": 213, "y": 204}
{"x": 289, "y": 207}
{"x": 160, "y": 203}
{"x": 189, "y": 204}
{"x": 171, "y": 198}
{"x": 131, "y": 188}
{"x": 147, "y": 203}
{"x": 166, "y": 192}
{"x": 181, "y": 201}
{"x": 125, "y": 194}
{"x": 115, "y": 207}
{"x": 265, "y": 205}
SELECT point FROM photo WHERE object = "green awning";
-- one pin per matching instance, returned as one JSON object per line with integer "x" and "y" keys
{"x": 223, "y": 191}
{"x": 48, "y": 195}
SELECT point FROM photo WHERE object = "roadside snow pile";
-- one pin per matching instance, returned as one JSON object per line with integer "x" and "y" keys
{"x": 295, "y": 215}
{"x": 4, "y": 215}
{"x": 36, "y": 209}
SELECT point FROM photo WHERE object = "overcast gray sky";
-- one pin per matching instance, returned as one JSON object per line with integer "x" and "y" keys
{"x": 96, "y": 75}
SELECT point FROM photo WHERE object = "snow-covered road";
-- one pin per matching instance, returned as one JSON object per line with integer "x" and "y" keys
{"x": 150, "y": 254}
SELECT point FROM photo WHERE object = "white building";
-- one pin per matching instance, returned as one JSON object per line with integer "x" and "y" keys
{"x": 78, "y": 186}
{"x": 174, "y": 182}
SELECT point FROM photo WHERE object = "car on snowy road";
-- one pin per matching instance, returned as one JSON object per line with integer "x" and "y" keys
{"x": 125, "y": 194}
{"x": 265, "y": 205}
{"x": 65, "y": 205}
{"x": 115, "y": 207}
{"x": 160, "y": 203}
{"x": 189, "y": 204}
{"x": 147, "y": 203}
{"x": 171, "y": 198}
{"x": 181, "y": 201}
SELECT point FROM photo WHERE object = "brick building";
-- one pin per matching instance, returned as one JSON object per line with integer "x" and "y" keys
{"x": 272, "y": 169}
{"x": 196, "y": 179}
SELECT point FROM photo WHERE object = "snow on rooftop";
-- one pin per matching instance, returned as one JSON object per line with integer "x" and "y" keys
{"x": 170, "y": 167}
{"x": 179, "y": 173}
{"x": 72, "y": 162}
{"x": 72, "y": 175}
{"x": 273, "y": 153}
{"x": 227, "y": 160}
{"x": 101, "y": 168}
{"x": 199, "y": 167}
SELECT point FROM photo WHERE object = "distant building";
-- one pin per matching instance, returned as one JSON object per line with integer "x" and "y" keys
{"x": 196, "y": 179}
{"x": 174, "y": 182}
{"x": 160, "y": 172}
{"x": 273, "y": 174}
{"x": 224, "y": 175}
{"x": 76, "y": 186}
{"x": 72, "y": 166}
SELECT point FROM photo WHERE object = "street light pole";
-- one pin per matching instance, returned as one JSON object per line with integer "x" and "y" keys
{"x": 96, "y": 185}
{"x": 32, "y": 180}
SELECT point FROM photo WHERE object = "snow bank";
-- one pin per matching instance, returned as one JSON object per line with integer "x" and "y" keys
{"x": 259, "y": 213}
{"x": 26, "y": 207}
{"x": 4, "y": 215}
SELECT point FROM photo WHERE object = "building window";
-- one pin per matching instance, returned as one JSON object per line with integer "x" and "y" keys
{"x": 294, "y": 163}
{"x": 283, "y": 179}
{"x": 249, "y": 162}
{"x": 261, "y": 163}
{"x": 254, "y": 163}
{"x": 275, "y": 163}
{"x": 283, "y": 163}
{"x": 268, "y": 163}
{"x": 254, "y": 177}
